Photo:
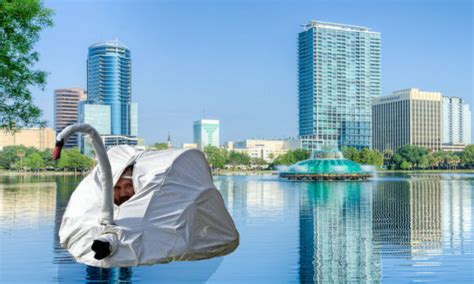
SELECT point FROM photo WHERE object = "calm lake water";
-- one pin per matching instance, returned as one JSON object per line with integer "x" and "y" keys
{"x": 395, "y": 228}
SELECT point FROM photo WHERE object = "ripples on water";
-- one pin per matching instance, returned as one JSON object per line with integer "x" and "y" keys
{"x": 396, "y": 228}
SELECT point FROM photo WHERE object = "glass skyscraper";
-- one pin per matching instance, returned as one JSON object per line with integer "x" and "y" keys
{"x": 109, "y": 82}
{"x": 338, "y": 75}
{"x": 206, "y": 132}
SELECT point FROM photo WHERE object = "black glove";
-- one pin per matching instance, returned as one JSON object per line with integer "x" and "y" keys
{"x": 101, "y": 249}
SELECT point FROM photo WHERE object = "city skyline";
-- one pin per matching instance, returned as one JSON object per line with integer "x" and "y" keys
{"x": 252, "y": 68}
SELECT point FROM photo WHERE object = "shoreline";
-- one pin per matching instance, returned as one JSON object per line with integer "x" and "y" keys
{"x": 42, "y": 173}
{"x": 227, "y": 172}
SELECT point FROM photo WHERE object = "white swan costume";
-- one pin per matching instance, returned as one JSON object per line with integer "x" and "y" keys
{"x": 176, "y": 212}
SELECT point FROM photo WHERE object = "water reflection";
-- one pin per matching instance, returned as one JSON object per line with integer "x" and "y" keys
{"x": 336, "y": 239}
{"x": 407, "y": 217}
{"x": 349, "y": 230}
{"x": 396, "y": 229}
{"x": 69, "y": 270}
{"x": 26, "y": 204}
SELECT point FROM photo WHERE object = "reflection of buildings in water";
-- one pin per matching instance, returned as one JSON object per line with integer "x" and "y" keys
{"x": 227, "y": 187}
{"x": 407, "y": 216}
{"x": 422, "y": 214}
{"x": 425, "y": 213}
{"x": 27, "y": 204}
{"x": 336, "y": 233}
{"x": 457, "y": 213}
{"x": 65, "y": 187}
{"x": 255, "y": 199}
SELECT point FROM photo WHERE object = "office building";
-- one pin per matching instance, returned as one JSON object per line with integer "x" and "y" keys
{"x": 96, "y": 115}
{"x": 66, "y": 104}
{"x": 259, "y": 148}
{"x": 133, "y": 119}
{"x": 406, "y": 117}
{"x": 109, "y": 107}
{"x": 109, "y": 82}
{"x": 39, "y": 138}
{"x": 99, "y": 117}
{"x": 456, "y": 124}
{"x": 338, "y": 75}
{"x": 206, "y": 132}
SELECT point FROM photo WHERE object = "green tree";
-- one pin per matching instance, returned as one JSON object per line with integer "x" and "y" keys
{"x": 21, "y": 22}
{"x": 424, "y": 162}
{"x": 34, "y": 161}
{"x": 236, "y": 158}
{"x": 286, "y": 159}
{"x": 8, "y": 157}
{"x": 412, "y": 154}
{"x": 455, "y": 161}
{"x": 370, "y": 157}
{"x": 405, "y": 165}
{"x": 467, "y": 156}
{"x": 48, "y": 158}
{"x": 160, "y": 146}
{"x": 258, "y": 161}
{"x": 76, "y": 160}
{"x": 216, "y": 157}
{"x": 301, "y": 154}
{"x": 291, "y": 157}
{"x": 63, "y": 162}
{"x": 351, "y": 153}
{"x": 72, "y": 159}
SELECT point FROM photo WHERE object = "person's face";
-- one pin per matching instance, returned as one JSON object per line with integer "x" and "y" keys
{"x": 123, "y": 189}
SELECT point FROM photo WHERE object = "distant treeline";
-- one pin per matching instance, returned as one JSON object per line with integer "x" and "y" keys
{"x": 411, "y": 157}
{"x": 32, "y": 159}
{"x": 408, "y": 157}
{"x": 219, "y": 158}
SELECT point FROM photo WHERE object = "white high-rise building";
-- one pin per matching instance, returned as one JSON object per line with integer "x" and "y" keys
{"x": 456, "y": 124}
{"x": 206, "y": 132}
{"x": 338, "y": 75}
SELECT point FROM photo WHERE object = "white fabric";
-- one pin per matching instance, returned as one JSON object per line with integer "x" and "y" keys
{"x": 175, "y": 214}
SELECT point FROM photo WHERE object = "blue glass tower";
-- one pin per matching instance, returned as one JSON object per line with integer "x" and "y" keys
{"x": 338, "y": 75}
{"x": 109, "y": 82}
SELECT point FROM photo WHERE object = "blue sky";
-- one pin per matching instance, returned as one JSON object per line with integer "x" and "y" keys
{"x": 236, "y": 60}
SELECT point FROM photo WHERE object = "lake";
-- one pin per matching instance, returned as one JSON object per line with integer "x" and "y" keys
{"x": 393, "y": 228}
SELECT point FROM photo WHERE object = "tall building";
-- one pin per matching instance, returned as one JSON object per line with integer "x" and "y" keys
{"x": 456, "y": 124}
{"x": 109, "y": 107}
{"x": 406, "y": 117}
{"x": 109, "y": 81}
{"x": 39, "y": 138}
{"x": 99, "y": 117}
{"x": 206, "y": 132}
{"x": 338, "y": 75}
{"x": 66, "y": 104}
{"x": 133, "y": 119}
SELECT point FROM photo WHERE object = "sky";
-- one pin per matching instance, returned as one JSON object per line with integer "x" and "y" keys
{"x": 236, "y": 61}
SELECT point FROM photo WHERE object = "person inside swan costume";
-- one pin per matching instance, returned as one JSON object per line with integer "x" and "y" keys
{"x": 144, "y": 207}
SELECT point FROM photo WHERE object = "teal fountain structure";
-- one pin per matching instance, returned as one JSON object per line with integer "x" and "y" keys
{"x": 327, "y": 165}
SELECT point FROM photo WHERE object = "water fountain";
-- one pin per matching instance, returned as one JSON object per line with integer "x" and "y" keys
{"x": 327, "y": 165}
